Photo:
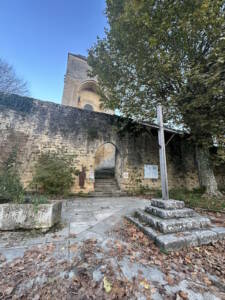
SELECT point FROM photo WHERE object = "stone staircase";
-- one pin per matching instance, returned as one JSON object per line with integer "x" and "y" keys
{"x": 106, "y": 184}
{"x": 172, "y": 226}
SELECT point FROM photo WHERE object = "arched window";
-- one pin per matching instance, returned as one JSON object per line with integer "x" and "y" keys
{"x": 88, "y": 107}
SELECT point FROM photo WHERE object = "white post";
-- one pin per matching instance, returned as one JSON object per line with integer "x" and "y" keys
{"x": 162, "y": 155}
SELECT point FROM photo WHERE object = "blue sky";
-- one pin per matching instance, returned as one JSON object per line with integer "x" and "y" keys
{"x": 36, "y": 36}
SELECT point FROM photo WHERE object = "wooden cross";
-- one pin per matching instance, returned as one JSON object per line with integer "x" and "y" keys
{"x": 162, "y": 154}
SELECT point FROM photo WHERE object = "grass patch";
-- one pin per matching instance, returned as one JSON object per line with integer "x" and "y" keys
{"x": 194, "y": 199}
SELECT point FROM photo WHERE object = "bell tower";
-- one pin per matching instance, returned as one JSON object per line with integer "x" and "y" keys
{"x": 79, "y": 89}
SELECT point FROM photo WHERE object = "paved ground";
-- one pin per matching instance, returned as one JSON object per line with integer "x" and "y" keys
{"x": 81, "y": 217}
{"x": 91, "y": 220}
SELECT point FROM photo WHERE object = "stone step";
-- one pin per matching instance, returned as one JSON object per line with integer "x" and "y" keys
{"x": 177, "y": 241}
{"x": 167, "y": 204}
{"x": 104, "y": 176}
{"x": 173, "y": 225}
{"x": 170, "y": 213}
{"x": 105, "y": 180}
{"x": 109, "y": 186}
{"x": 105, "y": 184}
{"x": 107, "y": 194}
{"x": 113, "y": 186}
{"x": 106, "y": 189}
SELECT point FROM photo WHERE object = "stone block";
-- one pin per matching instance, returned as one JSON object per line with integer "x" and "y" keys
{"x": 186, "y": 239}
{"x": 173, "y": 225}
{"x": 177, "y": 241}
{"x": 220, "y": 231}
{"x": 170, "y": 213}
{"x": 28, "y": 216}
{"x": 206, "y": 236}
{"x": 167, "y": 204}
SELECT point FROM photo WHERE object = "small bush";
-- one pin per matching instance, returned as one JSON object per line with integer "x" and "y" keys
{"x": 54, "y": 173}
{"x": 36, "y": 199}
{"x": 11, "y": 188}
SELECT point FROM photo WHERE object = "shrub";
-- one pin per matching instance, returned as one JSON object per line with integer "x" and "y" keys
{"x": 54, "y": 173}
{"x": 11, "y": 188}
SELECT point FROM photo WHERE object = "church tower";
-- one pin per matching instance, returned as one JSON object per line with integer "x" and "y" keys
{"x": 79, "y": 89}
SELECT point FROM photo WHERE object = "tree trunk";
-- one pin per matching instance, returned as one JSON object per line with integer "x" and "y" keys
{"x": 206, "y": 174}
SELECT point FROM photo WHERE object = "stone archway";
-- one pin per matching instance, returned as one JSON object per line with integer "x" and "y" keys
{"x": 108, "y": 168}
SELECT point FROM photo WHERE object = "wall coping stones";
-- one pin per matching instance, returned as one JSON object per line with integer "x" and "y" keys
{"x": 29, "y": 106}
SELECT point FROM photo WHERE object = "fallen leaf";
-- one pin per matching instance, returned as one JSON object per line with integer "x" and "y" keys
{"x": 107, "y": 285}
{"x": 73, "y": 248}
{"x": 145, "y": 284}
{"x": 170, "y": 280}
{"x": 207, "y": 281}
{"x": 183, "y": 295}
{"x": 9, "y": 290}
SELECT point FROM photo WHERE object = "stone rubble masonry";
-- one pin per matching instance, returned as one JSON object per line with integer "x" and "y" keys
{"x": 29, "y": 216}
{"x": 35, "y": 126}
{"x": 174, "y": 228}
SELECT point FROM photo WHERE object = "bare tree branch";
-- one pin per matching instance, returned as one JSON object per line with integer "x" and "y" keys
{"x": 9, "y": 82}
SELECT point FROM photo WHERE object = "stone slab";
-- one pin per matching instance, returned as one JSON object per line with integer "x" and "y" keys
{"x": 173, "y": 225}
{"x": 186, "y": 239}
{"x": 167, "y": 204}
{"x": 176, "y": 241}
{"x": 220, "y": 231}
{"x": 29, "y": 216}
{"x": 206, "y": 236}
{"x": 170, "y": 213}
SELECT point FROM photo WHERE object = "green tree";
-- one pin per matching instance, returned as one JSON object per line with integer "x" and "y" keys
{"x": 168, "y": 52}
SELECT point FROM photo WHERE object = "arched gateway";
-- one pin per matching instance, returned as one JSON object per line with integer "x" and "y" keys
{"x": 107, "y": 169}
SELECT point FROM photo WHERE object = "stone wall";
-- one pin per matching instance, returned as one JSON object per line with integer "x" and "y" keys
{"x": 36, "y": 126}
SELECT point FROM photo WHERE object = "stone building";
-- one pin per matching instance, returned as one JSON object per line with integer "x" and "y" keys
{"x": 79, "y": 89}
